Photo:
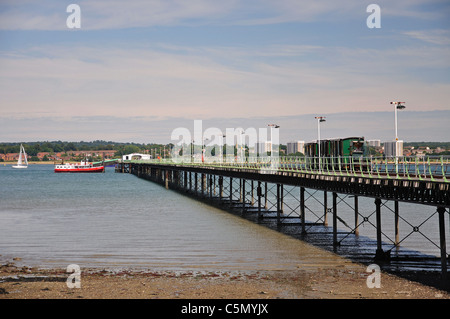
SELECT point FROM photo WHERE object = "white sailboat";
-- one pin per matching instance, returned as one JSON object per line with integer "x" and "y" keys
{"x": 20, "y": 164}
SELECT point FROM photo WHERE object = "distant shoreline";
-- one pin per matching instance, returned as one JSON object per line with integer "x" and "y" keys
{"x": 36, "y": 163}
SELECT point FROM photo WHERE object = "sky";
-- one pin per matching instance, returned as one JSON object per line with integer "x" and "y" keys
{"x": 136, "y": 70}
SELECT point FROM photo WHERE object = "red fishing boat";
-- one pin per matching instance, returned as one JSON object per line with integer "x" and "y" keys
{"x": 83, "y": 167}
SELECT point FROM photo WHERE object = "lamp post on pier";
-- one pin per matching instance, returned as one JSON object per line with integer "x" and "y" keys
{"x": 398, "y": 106}
{"x": 319, "y": 119}
{"x": 271, "y": 140}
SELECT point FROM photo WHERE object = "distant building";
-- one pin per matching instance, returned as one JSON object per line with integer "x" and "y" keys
{"x": 296, "y": 147}
{"x": 264, "y": 147}
{"x": 374, "y": 143}
{"x": 392, "y": 149}
{"x": 136, "y": 156}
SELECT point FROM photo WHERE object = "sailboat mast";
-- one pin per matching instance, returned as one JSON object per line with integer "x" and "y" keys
{"x": 19, "y": 162}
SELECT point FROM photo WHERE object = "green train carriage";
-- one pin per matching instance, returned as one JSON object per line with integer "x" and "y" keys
{"x": 338, "y": 147}
{"x": 343, "y": 150}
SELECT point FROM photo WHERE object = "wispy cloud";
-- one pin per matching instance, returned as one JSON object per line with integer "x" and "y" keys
{"x": 117, "y": 14}
{"x": 413, "y": 126}
{"x": 208, "y": 82}
{"x": 209, "y": 59}
{"x": 439, "y": 37}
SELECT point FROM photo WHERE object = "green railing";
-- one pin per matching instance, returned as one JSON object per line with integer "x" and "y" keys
{"x": 432, "y": 168}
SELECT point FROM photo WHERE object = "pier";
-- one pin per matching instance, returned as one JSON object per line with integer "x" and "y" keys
{"x": 278, "y": 189}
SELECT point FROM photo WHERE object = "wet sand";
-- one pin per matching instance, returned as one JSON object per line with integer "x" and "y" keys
{"x": 345, "y": 281}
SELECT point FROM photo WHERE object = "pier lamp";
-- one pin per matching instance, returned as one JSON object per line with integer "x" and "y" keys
{"x": 221, "y": 148}
{"x": 319, "y": 120}
{"x": 398, "y": 106}
{"x": 271, "y": 127}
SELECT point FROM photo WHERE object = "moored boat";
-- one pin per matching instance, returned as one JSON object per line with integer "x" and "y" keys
{"x": 20, "y": 163}
{"x": 82, "y": 167}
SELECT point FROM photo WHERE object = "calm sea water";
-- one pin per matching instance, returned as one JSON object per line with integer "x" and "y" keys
{"x": 119, "y": 220}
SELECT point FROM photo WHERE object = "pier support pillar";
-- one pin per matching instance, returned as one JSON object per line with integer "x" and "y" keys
{"x": 380, "y": 255}
{"x": 196, "y": 183}
{"x": 278, "y": 204}
{"x": 231, "y": 190}
{"x": 259, "y": 194}
{"x": 325, "y": 208}
{"x": 335, "y": 241}
{"x": 220, "y": 187}
{"x": 441, "y": 212}
{"x": 210, "y": 186}
{"x": 396, "y": 224}
{"x": 166, "y": 179}
{"x": 356, "y": 216}
{"x": 253, "y": 194}
{"x": 203, "y": 183}
{"x": 243, "y": 196}
{"x": 265, "y": 196}
{"x": 302, "y": 209}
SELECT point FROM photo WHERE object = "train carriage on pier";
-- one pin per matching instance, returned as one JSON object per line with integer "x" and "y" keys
{"x": 346, "y": 151}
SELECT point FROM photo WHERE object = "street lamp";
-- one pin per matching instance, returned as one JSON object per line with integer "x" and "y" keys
{"x": 319, "y": 119}
{"x": 398, "y": 106}
{"x": 271, "y": 142}
{"x": 221, "y": 148}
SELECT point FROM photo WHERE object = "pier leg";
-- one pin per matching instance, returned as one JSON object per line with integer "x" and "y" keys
{"x": 335, "y": 241}
{"x": 210, "y": 186}
{"x": 379, "y": 254}
{"x": 278, "y": 204}
{"x": 325, "y": 208}
{"x": 220, "y": 187}
{"x": 240, "y": 190}
{"x": 259, "y": 194}
{"x": 190, "y": 181}
{"x": 265, "y": 196}
{"x": 356, "y": 216}
{"x": 282, "y": 198}
{"x": 302, "y": 209}
{"x": 441, "y": 211}
{"x": 243, "y": 196}
{"x": 166, "y": 177}
{"x": 203, "y": 184}
{"x": 196, "y": 182}
{"x": 231, "y": 191}
{"x": 253, "y": 195}
{"x": 396, "y": 226}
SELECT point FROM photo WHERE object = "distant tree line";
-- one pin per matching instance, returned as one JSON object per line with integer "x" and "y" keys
{"x": 33, "y": 148}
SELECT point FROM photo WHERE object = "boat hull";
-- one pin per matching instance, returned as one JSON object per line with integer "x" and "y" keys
{"x": 19, "y": 166}
{"x": 98, "y": 169}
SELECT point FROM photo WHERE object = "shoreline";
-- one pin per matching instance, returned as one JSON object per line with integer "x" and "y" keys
{"x": 342, "y": 282}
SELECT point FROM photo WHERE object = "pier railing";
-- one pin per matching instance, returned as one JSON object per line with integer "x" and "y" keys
{"x": 430, "y": 168}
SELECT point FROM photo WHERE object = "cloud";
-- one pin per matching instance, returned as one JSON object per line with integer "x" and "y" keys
{"x": 414, "y": 126}
{"x": 439, "y": 37}
{"x": 209, "y": 82}
{"x": 117, "y": 14}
